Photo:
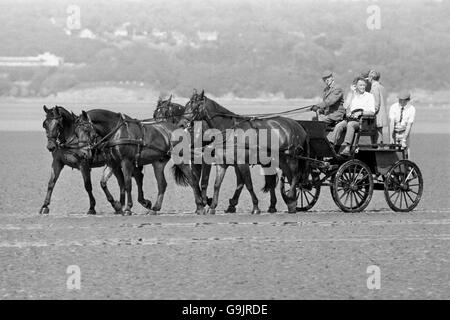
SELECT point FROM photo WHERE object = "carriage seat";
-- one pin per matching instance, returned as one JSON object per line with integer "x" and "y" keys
{"x": 367, "y": 128}
{"x": 368, "y": 125}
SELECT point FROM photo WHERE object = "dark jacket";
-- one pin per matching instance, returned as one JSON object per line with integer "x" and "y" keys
{"x": 333, "y": 103}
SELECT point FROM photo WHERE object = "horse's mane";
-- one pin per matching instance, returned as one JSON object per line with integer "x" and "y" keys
{"x": 215, "y": 107}
{"x": 105, "y": 120}
{"x": 68, "y": 118}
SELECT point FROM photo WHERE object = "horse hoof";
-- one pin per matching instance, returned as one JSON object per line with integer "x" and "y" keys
{"x": 152, "y": 212}
{"x": 200, "y": 211}
{"x": 44, "y": 210}
{"x": 91, "y": 212}
{"x": 147, "y": 204}
{"x": 272, "y": 210}
{"x": 230, "y": 209}
{"x": 127, "y": 212}
{"x": 117, "y": 207}
{"x": 211, "y": 211}
{"x": 256, "y": 211}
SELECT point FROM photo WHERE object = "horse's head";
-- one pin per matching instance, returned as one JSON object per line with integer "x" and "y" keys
{"x": 86, "y": 134}
{"x": 54, "y": 127}
{"x": 162, "y": 108}
{"x": 166, "y": 110}
{"x": 195, "y": 110}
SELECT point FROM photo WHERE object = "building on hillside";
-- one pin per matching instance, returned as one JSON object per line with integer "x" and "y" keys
{"x": 46, "y": 59}
{"x": 207, "y": 35}
{"x": 124, "y": 31}
{"x": 87, "y": 34}
{"x": 158, "y": 34}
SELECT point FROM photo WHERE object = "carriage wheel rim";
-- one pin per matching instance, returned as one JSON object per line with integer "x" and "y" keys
{"x": 352, "y": 187}
{"x": 403, "y": 186}
{"x": 305, "y": 198}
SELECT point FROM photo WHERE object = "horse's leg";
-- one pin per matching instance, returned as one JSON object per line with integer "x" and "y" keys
{"x": 107, "y": 173}
{"x": 237, "y": 193}
{"x": 273, "y": 201}
{"x": 271, "y": 181}
{"x": 139, "y": 177}
{"x": 127, "y": 169}
{"x": 247, "y": 177}
{"x": 206, "y": 171}
{"x": 57, "y": 166}
{"x": 86, "y": 172}
{"x": 290, "y": 166}
{"x": 193, "y": 180}
{"x": 158, "y": 168}
{"x": 221, "y": 169}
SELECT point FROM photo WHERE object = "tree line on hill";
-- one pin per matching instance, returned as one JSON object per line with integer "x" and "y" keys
{"x": 262, "y": 47}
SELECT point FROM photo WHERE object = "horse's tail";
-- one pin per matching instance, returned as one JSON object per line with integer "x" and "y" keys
{"x": 180, "y": 177}
{"x": 271, "y": 181}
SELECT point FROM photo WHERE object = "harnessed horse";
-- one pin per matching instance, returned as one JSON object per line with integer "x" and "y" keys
{"x": 291, "y": 137}
{"x": 129, "y": 143}
{"x": 66, "y": 149}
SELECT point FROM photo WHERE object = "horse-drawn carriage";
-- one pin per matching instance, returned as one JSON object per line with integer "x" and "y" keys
{"x": 353, "y": 179}
{"x": 307, "y": 159}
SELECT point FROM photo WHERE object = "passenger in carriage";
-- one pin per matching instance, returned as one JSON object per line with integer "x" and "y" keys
{"x": 331, "y": 109}
{"x": 401, "y": 116}
{"x": 358, "y": 102}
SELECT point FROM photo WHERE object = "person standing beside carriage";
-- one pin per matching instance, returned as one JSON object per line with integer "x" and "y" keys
{"x": 381, "y": 112}
{"x": 331, "y": 109}
{"x": 401, "y": 116}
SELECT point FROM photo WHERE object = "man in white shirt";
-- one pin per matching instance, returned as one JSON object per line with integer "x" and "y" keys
{"x": 358, "y": 102}
{"x": 401, "y": 117}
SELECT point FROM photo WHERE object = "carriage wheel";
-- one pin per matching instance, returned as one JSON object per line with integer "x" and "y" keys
{"x": 307, "y": 193}
{"x": 403, "y": 186}
{"x": 352, "y": 187}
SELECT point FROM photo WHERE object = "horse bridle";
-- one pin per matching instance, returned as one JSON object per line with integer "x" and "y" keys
{"x": 198, "y": 111}
{"x": 56, "y": 139}
{"x": 86, "y": 126}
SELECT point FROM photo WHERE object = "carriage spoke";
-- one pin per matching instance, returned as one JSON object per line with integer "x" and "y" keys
{"x": 351, "y": 199}
{"x": 363, "y": 178}
{"x": 359, "y": 173}
{"x": 309, "y": 192}
{"x": 406, "y": 202}
{"x": 399, "y": 192}
{"x": 410, "y": 197}
{"x": 301, "y": 198}
{"x": 361, "y": 197}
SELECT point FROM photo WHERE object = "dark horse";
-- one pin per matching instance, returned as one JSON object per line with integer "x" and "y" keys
{"x": 129, "y": 143}
{"x": 291, "y": 139}
{"x": 66, "y": 149}
{"x": 173, "y": 112}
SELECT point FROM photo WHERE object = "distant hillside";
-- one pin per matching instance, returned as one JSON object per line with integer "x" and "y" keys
{"x": 240, "y": 47}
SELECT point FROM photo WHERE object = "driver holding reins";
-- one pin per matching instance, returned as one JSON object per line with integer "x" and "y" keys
{"x": 359, "y": 102}
{"x": 331, "y": 109}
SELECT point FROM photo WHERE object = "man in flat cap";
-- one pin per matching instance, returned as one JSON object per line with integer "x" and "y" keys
{"x": 331, "y": 109}
{"x": 401, "y": 116}
{"x": 381, "y": 112}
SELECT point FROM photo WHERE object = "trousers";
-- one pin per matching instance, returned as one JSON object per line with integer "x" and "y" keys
{"x": 345, "y": 125}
